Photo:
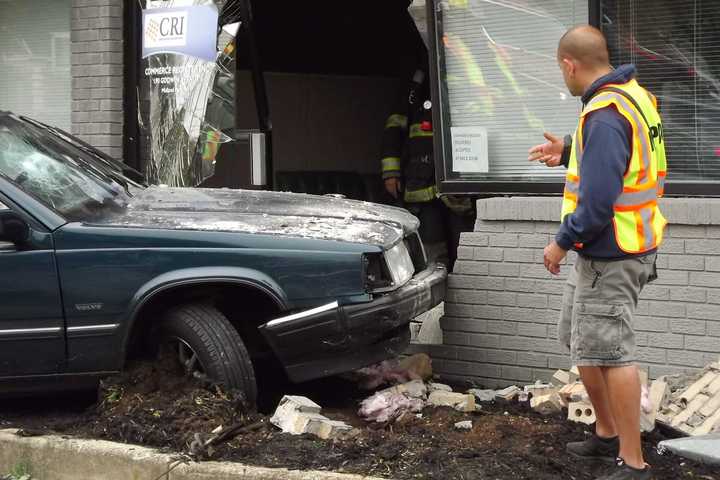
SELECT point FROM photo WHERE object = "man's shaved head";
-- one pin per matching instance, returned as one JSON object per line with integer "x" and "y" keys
{"x": 586, "y": 45}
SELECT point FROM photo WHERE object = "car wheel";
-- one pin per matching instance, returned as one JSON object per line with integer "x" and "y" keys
{"x": 208, "y": 347}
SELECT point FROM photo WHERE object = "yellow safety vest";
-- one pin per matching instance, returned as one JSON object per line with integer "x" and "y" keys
{"x": 637, "y": 220}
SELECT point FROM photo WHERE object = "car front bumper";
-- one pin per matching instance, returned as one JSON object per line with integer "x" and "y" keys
{"x": 334, "y": 338}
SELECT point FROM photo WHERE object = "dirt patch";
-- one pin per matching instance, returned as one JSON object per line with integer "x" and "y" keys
{"x": 152, "y": 405}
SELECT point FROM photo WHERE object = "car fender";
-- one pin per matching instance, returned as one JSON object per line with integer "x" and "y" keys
{"x": 201, "y": 275}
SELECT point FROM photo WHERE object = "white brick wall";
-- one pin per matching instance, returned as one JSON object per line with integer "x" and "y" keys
{"x": 502, "y": 305}
{"x": 97, "y": 73}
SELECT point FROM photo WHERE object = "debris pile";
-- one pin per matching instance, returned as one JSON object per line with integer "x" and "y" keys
{"x": 692, "y": 404}
{"x": 300, "y": 415}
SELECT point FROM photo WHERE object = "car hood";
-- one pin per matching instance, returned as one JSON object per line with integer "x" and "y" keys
{"x": 262, "y": 212}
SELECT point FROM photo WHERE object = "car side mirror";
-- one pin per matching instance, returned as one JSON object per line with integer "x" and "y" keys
{"x": 13, "y": 228}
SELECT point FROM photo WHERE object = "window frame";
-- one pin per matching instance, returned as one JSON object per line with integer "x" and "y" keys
{"x": 443, "y": 147}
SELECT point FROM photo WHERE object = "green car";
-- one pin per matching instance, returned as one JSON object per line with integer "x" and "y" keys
{"x": 97, "y": 268}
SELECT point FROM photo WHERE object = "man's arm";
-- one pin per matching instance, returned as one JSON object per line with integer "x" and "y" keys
{"x": 606, "y": 154}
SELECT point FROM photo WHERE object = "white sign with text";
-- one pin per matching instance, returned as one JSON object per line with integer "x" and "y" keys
{"x": 469, "y": 149}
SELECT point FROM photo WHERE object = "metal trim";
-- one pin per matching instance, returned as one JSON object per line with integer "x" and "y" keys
{"x": 304, "y": 314}
{"x": 21, "y": 331}
{"x": 85, "y": 328}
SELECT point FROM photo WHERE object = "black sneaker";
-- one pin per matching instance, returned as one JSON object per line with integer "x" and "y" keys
{"x": 626, "y": 472}
{"x": 595, "y": 448}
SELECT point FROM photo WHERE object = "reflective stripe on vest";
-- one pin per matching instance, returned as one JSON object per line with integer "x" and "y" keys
{"x": 396, "y": 121}
{"x": 423, "y": 195}
{"x": 637, "y": 220}
{"x": 416, "y": 131}
{"x": 391, "y": 164}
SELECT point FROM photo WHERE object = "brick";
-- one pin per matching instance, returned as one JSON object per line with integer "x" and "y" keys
{"x": 507, "y": 299}
{"x": 472, "y": 354}
{"x": 489, "y": 227}
{"x": 107, "y": 117}
{"x": 504, "y": 270}
{"x": 85, "y": 58}
{"x": 465, "y": 253}
{"x": 517, "y": 373}
{"x": 89, "y": 35}
{"x": 503, "y": 240}
{"x": 656, "y": 371}
{"x": 473, "y": 297}
{"x": 672, "y": 245}
{"x": 703, "y": 246}
{"x": 527, "y": 359}
{"x": 688, "y": 294}
{"x": 686, "y": 326}
{"x": 86, "y": 12}
{"x": 654, "y": 292}
{"x": 459, "y": 324}
{"x": 488, "y": 254}
{"x": 672, "y": 277}
{"x": 651, "y": 355}
{"x": 490, "y": 283}
{"x": 549, "y": 228}
{"x": 650, "y": 324}
{"x": 459, "y": 310}
{"x": 662, "y": 262}
{"x": 519, "y": 285}
{"x": 458, "y": 338}
{"x": 686, "y": 231}
{"x": 502, "y": 357}
{"x": 80, "y": 117}
{"x": 471, "y": 268}
{"x": 713, "y": 328}
{"x": 110, "y": 34}
{"x": 443, "y": 351}
{"x": 703, "y": 311}
{"x": 536, "y": 271}
{"x": 687, "y": 358}
{"x": 533, "y": 241}
{"x": 502, "y": 327}
{"x": 704, "y": 344}
{"x": 81, "y": 94}
{"x": 110, "y": 11}
{"x": 712, "y": 264}
{"x": 85, "y": 105}
{"x": 532, "y": 330}
{"x": 544, "y": 375}
{"x": 686, "y": 262}
{"x": 462, "y": 281}
{"x": 520, "y": 227}
{"x": 553, "y": 332}
{"x": 713, "y": 295}
{"x": 665, "y": 340}
{"x": 643, "y": 307}
{"x": 704, "y": 279}
{"x": 107, "y": 93}
{"x": 532, "y": 300}
{"x": 474, "y": 239}
{"x": 487, "y": 312}
{"x": 553, "y": 287}
{"x": 641, "y": 339}
{"x": 713, "y": 231}
{"x": 530, "y": 315}
{"x": 666, "y": 309}
{"x": 556, "y": 362}
{"x": 520, "y": 255}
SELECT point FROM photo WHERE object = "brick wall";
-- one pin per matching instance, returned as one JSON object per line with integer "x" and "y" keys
{"x": 502, "y": 305}
{"x": 97, "y": 73}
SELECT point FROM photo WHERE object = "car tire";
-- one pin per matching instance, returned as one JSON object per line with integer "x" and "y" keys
{"x": 220, "y": 350}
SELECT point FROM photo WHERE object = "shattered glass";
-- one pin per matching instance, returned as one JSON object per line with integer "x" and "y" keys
{"x": 177, "y": 95}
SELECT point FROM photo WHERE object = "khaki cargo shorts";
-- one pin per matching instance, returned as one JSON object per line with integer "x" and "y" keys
{"x": 599, "y": 302}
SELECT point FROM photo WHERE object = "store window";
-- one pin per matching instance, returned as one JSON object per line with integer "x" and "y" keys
{"x": 674, "y": 45}
{"x": 35, "y": 59}
{"x": 501, "y": 87}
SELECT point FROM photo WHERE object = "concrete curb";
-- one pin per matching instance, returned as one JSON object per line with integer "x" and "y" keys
{"x": 53, "y": 457}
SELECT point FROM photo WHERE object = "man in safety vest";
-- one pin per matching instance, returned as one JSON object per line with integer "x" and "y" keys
{"x": 408, "y": 171}
{"x": 610, "y": 217}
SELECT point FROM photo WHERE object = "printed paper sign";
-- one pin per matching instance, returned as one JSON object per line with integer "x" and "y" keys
{"x": 469, "y": 149}
{"x": 188, "y": 31}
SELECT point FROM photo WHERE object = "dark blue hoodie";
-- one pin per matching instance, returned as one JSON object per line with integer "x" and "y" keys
{"x": 607, "y": 138}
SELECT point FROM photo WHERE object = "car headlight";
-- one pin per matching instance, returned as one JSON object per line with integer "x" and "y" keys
{"x": 399, "y": 264}
{"x": 389, "y": 270}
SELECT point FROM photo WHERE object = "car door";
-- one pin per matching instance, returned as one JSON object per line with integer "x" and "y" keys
{"x": 32, "y": 330}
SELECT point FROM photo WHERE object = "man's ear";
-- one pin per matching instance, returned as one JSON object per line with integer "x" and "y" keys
{"x": 569, "y": 66}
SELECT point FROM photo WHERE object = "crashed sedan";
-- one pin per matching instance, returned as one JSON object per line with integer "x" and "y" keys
{"x": 98, "y": 268}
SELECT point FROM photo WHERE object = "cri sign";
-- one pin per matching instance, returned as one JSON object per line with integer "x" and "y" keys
{"x": 188, "y": 31}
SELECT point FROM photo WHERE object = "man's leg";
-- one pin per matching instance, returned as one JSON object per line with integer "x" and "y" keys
{"x": 623, "y": 391}
{"x": 596, "y": 386}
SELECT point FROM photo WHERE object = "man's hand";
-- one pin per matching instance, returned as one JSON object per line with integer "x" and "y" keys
{"x": 549, "y": 152}
{"x": 553, "y": 255}
{"x": 393, "y": 186}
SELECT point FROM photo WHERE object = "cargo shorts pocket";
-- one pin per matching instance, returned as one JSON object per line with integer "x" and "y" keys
{"x": 599, "y": 330}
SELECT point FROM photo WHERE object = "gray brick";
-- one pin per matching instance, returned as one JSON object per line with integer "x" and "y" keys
{"x": 703, "y": 246}
{"x": 490, "y": 283}
{"x": 471, "y": 268}
{"x": 81, "y": 94}
{"x": 473, "y": 297}
{"x": 108, "y": 117}
{"x": 443, "y": 351}
{"x": 533, "y": 241}
{"x": 712, "y": 264}
{"x": 517, "y": 373}
{"x": 527, "y": 359}
{"x": 672, "y": 245}
{"x": 686, "y": 231}
{"x": 462, "y": 281}
{"x": 704, "y": 344}
{"x": 110, "y": 11}
{"x": 107, "y": 93}
{"x": 643, "y": 307}
{"x": 689, "y": 294}
{"x": 536, "y": 271}
{"x": 532, "y": 330}
{"x": 654, "y": 292}
{"x": 662, "y": 261}
{"x": 112, "y": 58}
{"x": 713, "y": 295}
{"x": 515, "y": 343}
{"x": 641, "y": 339}
{"x": 556, "y": 362}
{"x": 487, "y": 312}
{"x": 465, "y": 253}
{"x": 502, "y": 357}
{"x": 553, "y": 287}
{"x": 86, "y": 12}
{"x": 520, "y": 255}
{"x": 84, "y": 35}
{"x": 651, "y": 355}
{"x": 502, "y": 327}
{"x": 532, "y": 300}
{"x": 672, "y": 277}
{"x": 503, "y": 240}
{"x": 504, "y": 270}
{"x": 713, "y": 231}
{"x": 474, "y": 239}
{"x": 703, "y": 311}
{"x": 553, "y": 332}
{"x": 489, "y": 227}
{"x": 507, "y": 299}
{"x": 713, "y": 328}
{"x": 80, "y": 117}
{"x": 687, "y": 358}
{"x": 85, "y": 105}
{"x": 667, "y": 309}
{"x": 459, "y": 310}
{"x": 488, "y": 254}
{"x": 542, "y": 374}
{"x": 665, "y": 340}
{"x": 686, "y": 262}
{"x": 85, "y": 58}
{"x": 704, "y": 279}
{"x": 515, "y": 314}
{"x": 548, "y": 228}
{"x": 520, "y": 227}
{"x": 457, "y": 324}
{"x": 110, "y": 34}
{"x": 689, "y": 327}
{"x": 543, "y": 345}
{"x": 660, "y": 370}
{"x": 519, "y": 285}
{"x": 472, "y": 354}
{"x": 459, "y": 338}
{"x": 650, "y": 324}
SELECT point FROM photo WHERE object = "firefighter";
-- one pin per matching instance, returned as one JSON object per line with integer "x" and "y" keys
{"x": 408, "y": 170}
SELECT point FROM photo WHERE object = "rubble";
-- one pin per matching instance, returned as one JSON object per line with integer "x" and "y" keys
{"x": 482, "y": 395}
{"x": 439, "y": 386}
{"x": 582, "y": 412}
{"x": 418, "y": 366}
{"x": 299, "y": 415}
{"x": 508, "y": 394}
{"x": 415, "y": 367}
{"x": 566, "y": 377}
{"x": 573, "y": 392}
{"x": 463, "y": 402}
{"x": 546, "y": 404}
{"x": 391, "y": 403}
{"x": 466, "y": 425}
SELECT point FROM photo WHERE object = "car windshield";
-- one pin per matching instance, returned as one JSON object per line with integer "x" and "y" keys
{"x": 72, "y": 181}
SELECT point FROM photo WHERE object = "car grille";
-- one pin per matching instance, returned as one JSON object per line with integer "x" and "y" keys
{"x": 417, "y": 255}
